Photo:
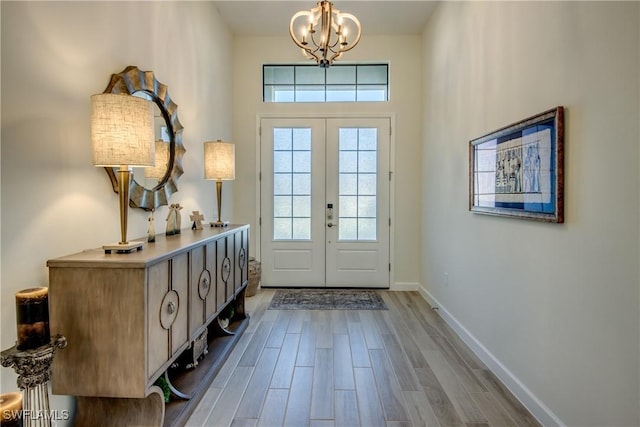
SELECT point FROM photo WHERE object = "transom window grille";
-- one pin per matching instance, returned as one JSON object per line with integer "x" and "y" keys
{"x": 357, "y": 183}
{"x": 338, "y": 83}
{"x": 292, "y": 184}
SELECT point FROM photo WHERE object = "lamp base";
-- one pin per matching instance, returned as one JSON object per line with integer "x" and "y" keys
{"x": 219, "y": 224}
{"x": 123, "y": 248}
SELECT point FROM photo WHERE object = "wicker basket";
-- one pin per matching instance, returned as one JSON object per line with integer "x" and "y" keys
{"x": 255, "y": 271}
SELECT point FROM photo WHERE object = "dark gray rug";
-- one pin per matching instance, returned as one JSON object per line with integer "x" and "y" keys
{"x": 327, "y": 299}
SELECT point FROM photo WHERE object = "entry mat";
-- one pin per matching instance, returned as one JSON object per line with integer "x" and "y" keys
{"x": 326, "y": 299}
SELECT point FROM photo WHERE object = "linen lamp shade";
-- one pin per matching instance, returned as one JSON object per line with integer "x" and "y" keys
{"x": 122, "y": 130}
{"x": 219, "y": 160}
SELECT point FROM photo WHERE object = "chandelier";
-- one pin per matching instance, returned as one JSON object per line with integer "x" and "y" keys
{"x": 334, "y": 27}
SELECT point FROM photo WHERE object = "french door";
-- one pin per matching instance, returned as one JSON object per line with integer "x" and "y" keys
{"x": 324, "y": 205}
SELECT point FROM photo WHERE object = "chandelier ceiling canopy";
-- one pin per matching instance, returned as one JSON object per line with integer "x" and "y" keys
{"x": 324, "y": 33}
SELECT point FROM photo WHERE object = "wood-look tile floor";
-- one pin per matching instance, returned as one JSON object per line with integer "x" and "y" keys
{"x": 398, "y": 367}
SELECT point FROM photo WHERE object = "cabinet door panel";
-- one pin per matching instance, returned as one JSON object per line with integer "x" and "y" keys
{"x": 180, "y": 284}
{"x": 231, "y": 257}
{"x": 158, "y": 338}
{"x": 196, "y": 294}
{"x": 210, "y": 304}
{"x": 241, "y": 251}
{"x": 223, "y": 271}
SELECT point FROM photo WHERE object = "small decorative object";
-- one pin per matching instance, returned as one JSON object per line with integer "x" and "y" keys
{"x": 219, "y": 164}
{"x": 32, "y": 315}
{"x": 34, "y": 372}
{"x": 331, "y": 41}
{"x": 11, "y": 409}
{"x": 174, "y": 219}
{"x": 151, "y": 232}
{"x": 197, "y": 219}
{"x": 225, "y": 317}
{"x": 198, "y": 349}
{"x": 255, "y": 271}
{"x": 518, "y": 171}
{"x": 178, "y": 218}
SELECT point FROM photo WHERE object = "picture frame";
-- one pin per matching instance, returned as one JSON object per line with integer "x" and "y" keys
{"x": 518, "y": 170}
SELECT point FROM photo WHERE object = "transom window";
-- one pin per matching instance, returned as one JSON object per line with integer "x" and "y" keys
{"x": 338, "y": 83}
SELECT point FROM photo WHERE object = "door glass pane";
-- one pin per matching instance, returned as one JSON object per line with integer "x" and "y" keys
{"x": 282, "y": 228}
{"x": 282, "y": 206}
{"x": 357, "y": 188}
{"x": 349, "y": 184}
{"x": 282, "y": 161}
{"x": 292, "y": 184}
{"x": 367, "y": 229}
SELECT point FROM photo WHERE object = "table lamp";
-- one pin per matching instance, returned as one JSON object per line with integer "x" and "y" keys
{"x": 219, "y": 164}
{"x": 122, "y": 134}
{"x": 162, "y": 162}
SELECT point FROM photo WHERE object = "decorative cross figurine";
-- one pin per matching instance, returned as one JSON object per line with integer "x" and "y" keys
{"x": 197, "y": 219}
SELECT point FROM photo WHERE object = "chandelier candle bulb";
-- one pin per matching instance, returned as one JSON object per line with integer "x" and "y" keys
{"x": 11, "y": 409}
{"x": 32, "y": 315}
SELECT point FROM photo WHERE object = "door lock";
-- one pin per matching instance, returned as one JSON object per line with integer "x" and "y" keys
{"x": 330, "y": 211}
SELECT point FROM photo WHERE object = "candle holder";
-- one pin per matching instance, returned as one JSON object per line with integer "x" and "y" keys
{"x": 33, "y": 367}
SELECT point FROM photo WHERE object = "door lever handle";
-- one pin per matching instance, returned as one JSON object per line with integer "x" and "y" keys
{"x": 331, "y": 224}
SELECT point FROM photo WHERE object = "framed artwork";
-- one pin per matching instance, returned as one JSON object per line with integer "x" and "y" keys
{"x": 517, "y": 171}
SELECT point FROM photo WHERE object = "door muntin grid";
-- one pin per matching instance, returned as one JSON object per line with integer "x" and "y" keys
{"x": 357, "y": 184}
{"x": 292, "y": 183}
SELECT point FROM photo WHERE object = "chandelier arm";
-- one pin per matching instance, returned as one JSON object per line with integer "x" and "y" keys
{"x": 357, "y": 24}
{"x": 292, "y": 22}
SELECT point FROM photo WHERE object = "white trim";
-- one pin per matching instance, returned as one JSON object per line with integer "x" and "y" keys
{"x": 404, "y": 286}
{"x": 537, "y": 408}
{"x": 258, "y": 201}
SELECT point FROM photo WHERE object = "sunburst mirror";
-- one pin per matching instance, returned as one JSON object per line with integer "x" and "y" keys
{"x": 151, "y": 190}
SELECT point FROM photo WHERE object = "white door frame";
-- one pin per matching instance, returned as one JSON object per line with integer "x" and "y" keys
{"x": 392, "y": 161}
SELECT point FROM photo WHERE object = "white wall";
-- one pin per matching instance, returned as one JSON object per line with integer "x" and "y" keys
{"x": 404, "y": 57}
{"x": 553, "y": 307}
{"x": 54, "y": 57}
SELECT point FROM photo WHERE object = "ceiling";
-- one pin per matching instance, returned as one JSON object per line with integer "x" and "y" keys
{"x": 271, "y": 18}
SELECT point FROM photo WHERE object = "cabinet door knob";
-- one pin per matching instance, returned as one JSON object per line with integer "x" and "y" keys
{"x": 204, "y": 284}
{"x": 171, "y": 307}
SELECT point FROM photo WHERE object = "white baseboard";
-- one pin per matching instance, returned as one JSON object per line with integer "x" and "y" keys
{"x": 404, "y": 286}
{"x": 537, "y": 408}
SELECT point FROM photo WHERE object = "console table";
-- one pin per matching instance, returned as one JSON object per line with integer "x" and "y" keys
{"x": 128, "y": 317}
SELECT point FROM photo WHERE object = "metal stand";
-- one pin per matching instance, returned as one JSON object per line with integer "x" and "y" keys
{"x": 174, "y": 390}
{"x": 34, "y": 372}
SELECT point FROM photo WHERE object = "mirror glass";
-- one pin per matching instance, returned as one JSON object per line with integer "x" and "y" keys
{"x": 151, "y": 177}
{"x": 151, "y": 187}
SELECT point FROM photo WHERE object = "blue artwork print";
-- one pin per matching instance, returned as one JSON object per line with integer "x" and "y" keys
{"x": 515, "y": 170}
